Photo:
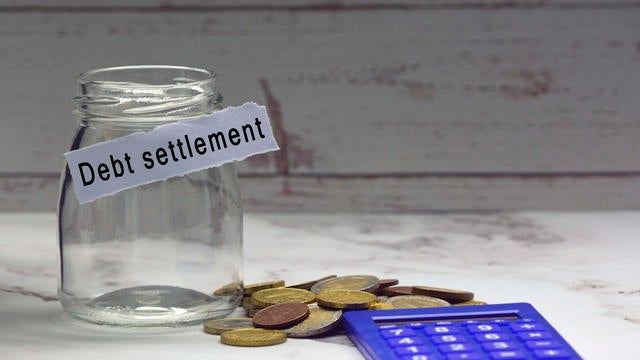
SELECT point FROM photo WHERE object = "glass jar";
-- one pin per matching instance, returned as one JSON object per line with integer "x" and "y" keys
{"x": 164, "y": 254}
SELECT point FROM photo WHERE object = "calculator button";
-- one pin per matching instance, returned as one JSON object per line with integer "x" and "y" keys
{"x": 507, "y": 355}
{"x": 526, "y": 326}
{"x": 534, "y": 335}
{"x": 412, "y": 350}
{"x": 440, "y": 329}
{"x": 416, "y": 326}
{"x": 543, "y": 344}
{"x": 465, "y": 356}
{"x": 404, "y": 341}
{"x": 500, "y": 345}
{"x": 399, "y": 332}
{"x": 551, "y": 354}
{"x": 477, "y": 328}
{"x": 458, "y": 347}
{"x": 491, "y": 337}
{"x": 444, "y": 339}
{"x": 419, "y": 357}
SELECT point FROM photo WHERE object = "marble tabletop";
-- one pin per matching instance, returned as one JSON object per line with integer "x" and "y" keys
{"x": 580, "y": 270}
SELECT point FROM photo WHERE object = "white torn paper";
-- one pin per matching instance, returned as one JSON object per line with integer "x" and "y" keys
{"x": 170, "y": 150}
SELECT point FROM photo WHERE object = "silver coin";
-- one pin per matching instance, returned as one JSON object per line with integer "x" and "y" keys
{"x": 415, "y": 301}
{"x": 366, "y": 283}
{"x": 308, "y": 284}
{"x": 318, "y": 322}
{"x": 218, "y": 326}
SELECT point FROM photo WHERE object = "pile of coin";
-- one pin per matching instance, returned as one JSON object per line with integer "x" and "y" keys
{"x": 277, "y": 312}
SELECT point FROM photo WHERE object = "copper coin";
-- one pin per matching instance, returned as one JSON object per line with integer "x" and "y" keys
{"x": 385, "y": 283}
{"x": 450, "y": 295}
{"x": 282, "y": 315}
{"x": 396, "y": 291}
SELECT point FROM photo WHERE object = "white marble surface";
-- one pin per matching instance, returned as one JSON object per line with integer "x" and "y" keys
{"x": 580, "y": 270}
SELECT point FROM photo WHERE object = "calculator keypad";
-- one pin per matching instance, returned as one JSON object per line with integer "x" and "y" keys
{"x": 471, "y": 340}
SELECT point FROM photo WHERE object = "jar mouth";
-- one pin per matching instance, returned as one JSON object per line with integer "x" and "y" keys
{"x": 143, "y": 91}
{"x": 146, "y": 76}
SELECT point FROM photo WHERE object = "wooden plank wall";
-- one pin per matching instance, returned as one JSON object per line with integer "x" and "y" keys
{"x": 377, "y": 105}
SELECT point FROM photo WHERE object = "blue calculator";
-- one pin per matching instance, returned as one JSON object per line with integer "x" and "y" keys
{"x": 501, "y": 331}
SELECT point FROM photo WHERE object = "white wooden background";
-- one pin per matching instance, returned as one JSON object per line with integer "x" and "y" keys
{"x": 377, "y": 105}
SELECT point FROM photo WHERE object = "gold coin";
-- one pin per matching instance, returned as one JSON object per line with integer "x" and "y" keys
{"x": 366, "y": 283}
{"x": 255, "y": 287}
{"x": 218, "y": 326}
{"x": 381, "y": 306}
{"x": 268, "y": 297}
{"x": 318, "y": 322}
{"x": 251, "y": 312}
{"x": 231, "y": 289}
{"x": 345, "y": 299}
{"x": 246, "y": 302}
{"x": 416, "y": 301}
{"x": 470, "y": 302}
{"x": 253, "y": 337}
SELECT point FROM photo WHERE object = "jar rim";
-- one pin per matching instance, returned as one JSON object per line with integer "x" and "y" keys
{"x": 145, "y": 91}
{"x": 124, "y": 76}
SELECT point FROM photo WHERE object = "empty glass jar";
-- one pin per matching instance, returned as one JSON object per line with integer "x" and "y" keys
{"x": 164, "y": 254}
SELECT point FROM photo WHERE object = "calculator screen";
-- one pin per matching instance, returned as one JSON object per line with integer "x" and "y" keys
{"x": 385, "y": 321}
